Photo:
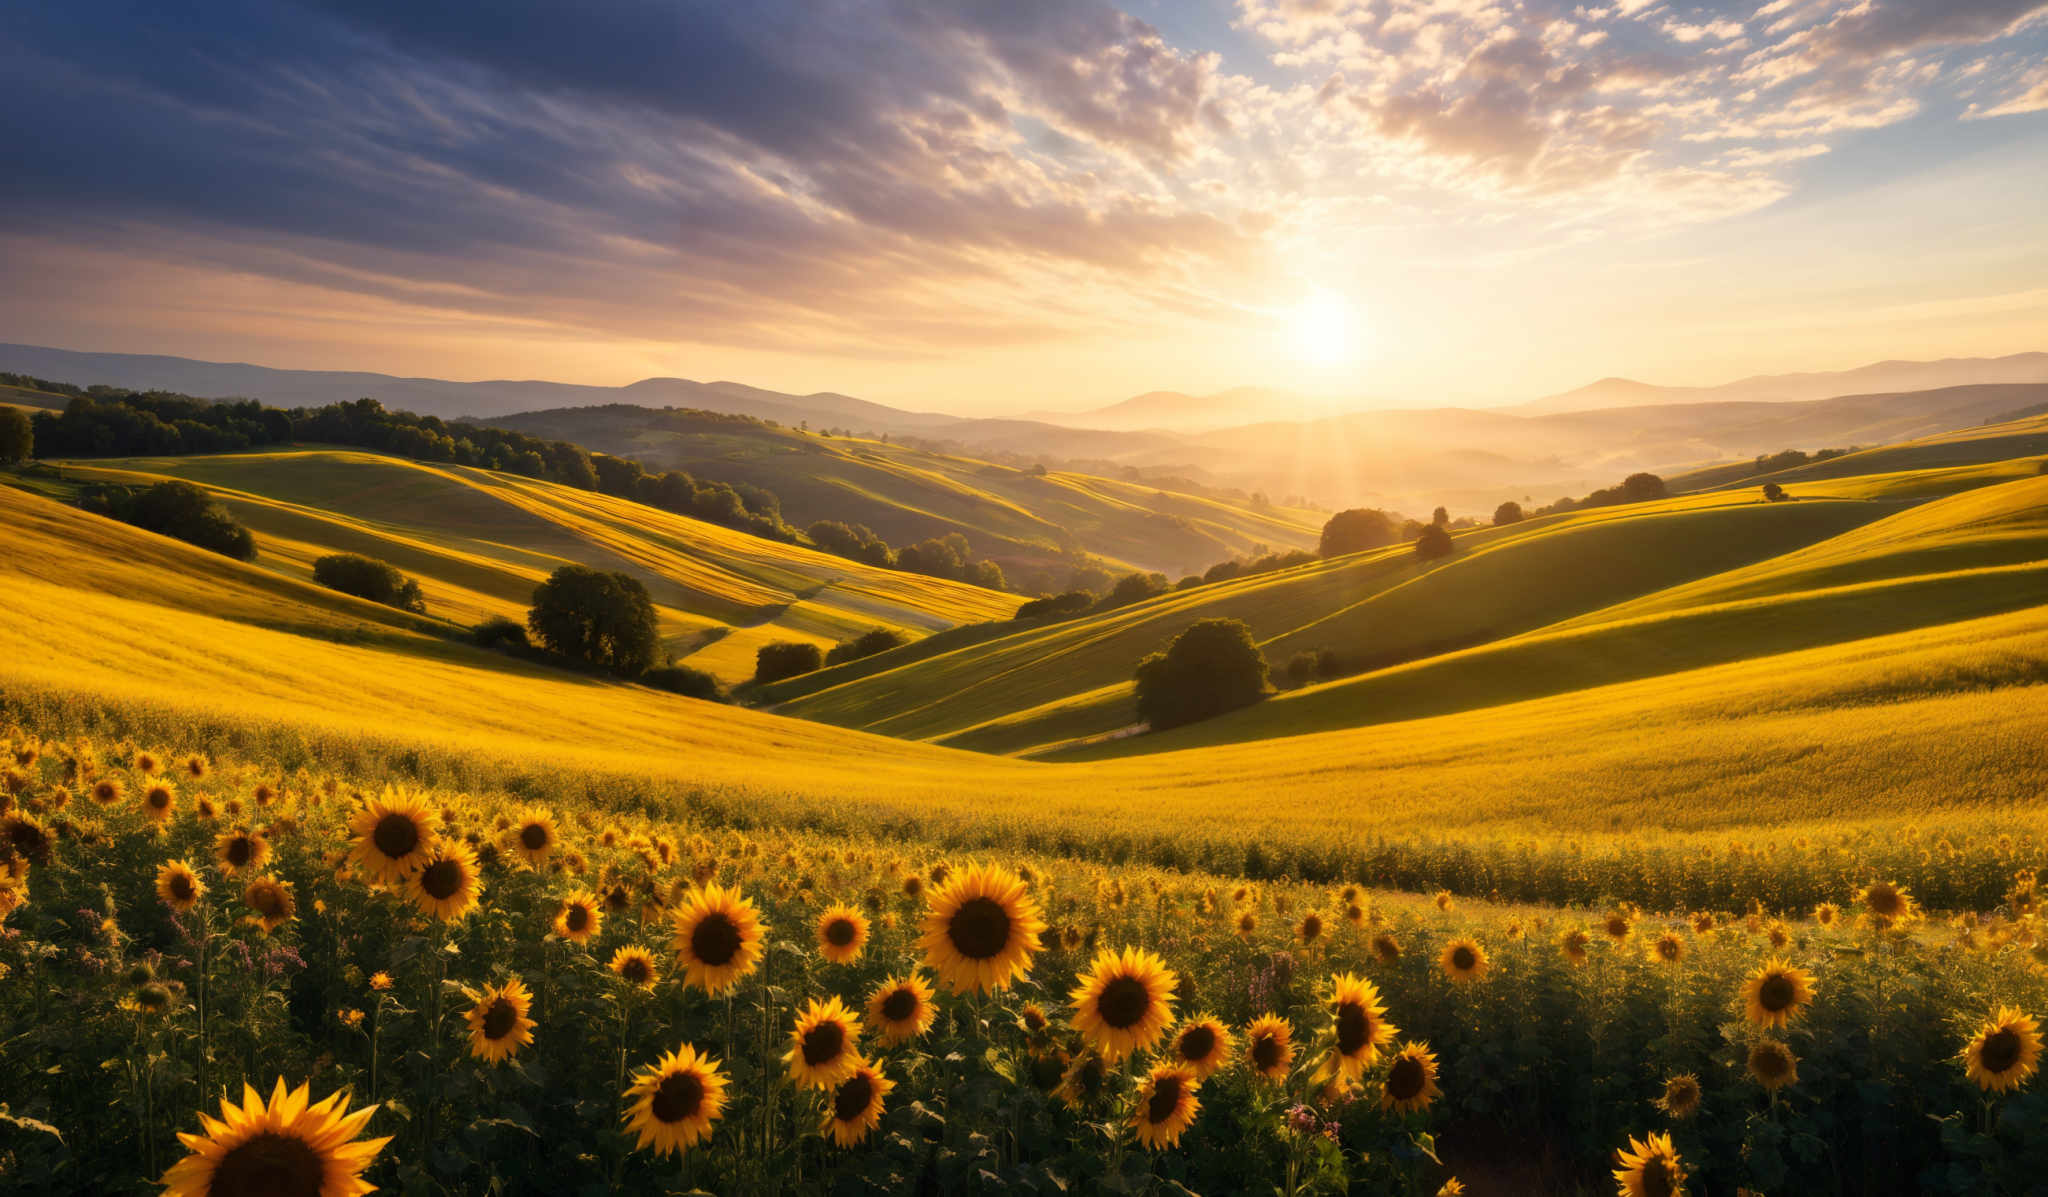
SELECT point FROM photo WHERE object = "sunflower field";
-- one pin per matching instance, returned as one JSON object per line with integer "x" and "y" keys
{"x": 221, "y": 977}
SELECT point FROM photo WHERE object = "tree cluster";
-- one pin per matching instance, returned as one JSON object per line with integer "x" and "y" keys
{"x": 175, "y": 509}
{"x": 369, "y": 578}
{"x": 1212, "y": 667}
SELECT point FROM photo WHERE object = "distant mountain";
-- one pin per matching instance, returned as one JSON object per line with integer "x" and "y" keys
{"x": 1889, "y": 377}
{"x": 1177, "y": 411}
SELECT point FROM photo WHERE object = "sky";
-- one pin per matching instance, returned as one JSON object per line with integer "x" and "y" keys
{"x": 984, "y": 206}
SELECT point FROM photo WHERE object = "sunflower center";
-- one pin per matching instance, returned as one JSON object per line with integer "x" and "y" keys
{"x": 1124, "y": 1002}
{"x": 634, "y": 969}
{"x": 851, "y": 1101}
{"x": 442, "y": 880}
{"x": 578, "y": 918}
{"x": 267, "y": 901}
{"x": 396, "y": 835}
{"x": 533, "y": 837}
{"x": 1266, "y": 1053}
{"x": 1776, "y": 993}
{"x": 715, "y": 940}
{"x": 240, "y": 849}
{"x": 1884, "y": 901}
{"x": 159, "y": 798}
{"x": 1197, "y": 1042}
{"x": 181, "y": 887}
{"x": 1354, "y": 1028}
{"x": 680, "y": 1096}
{"x": 1165, "y": 1099}
{"x": 1463, "y": 959}
{"x": 899, "y": 1006}
{"x": 1311, "y": 927}
{"x": 980, "y": 929}
{"x": 839, "y": 932}
{"x": 1657, "y": 1179}
{"x": 823, "y": 1043}
{"x": 1405, "y": 1081}
{"x": 269, "y": 1165}
{"x": 1770, "y": 1063}
{"x": 499, "y": 1019}
{"x": 2001, "y": 1050}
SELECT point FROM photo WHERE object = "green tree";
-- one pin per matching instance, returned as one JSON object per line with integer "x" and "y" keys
{"x": 1434, "y": 542}
{"x": 1212, "y": 667}
{"x": 1509, "y": 512}
{"x": 182, "y": 510}
{"x": 786, "y": 658}
{"x": 1773, "y": 493}
{"x": 605, "y": 619}
{"x": 17, "y": 436}
{"x": 1358, "y": 529}
{"x": 366, "y": 577}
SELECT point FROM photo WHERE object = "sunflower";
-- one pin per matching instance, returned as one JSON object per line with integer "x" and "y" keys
{"x": 1463, "y": 960}
{"x": 447, "y": 886}
{"x": 1650, "y": 1168}
{"x": 1452, "y": 1188}
{"x": 1775, "y": 994}
{"x": 824, "y": 1046}
{"x": 2005, "y": 1051}
{"x": 842, "y": 933}
{"x": 194, "y": 766}
{"x": 1124, "y": 1002}
{"x": 498, "y": 1022}
{"x": 1359, "y": 1021}
{"x": 901, "y": 1008}
{"x": 1573, "y": 945}
{"x": 1310, "y": 929}
{"x": 1772, "y": 1064}
{"x": 981, "y": 930}
{"x": 1385, "y": 948}
{"x": 1681, "y": 1097}
{"x": 580, "y": 917}
{"x": 856, "y": 1105}
{"x": 1617, "y": 925}
{"x": 717, "y": 936}
{"x": 1887, "y": 905}
{"x": 179, "y": 886}
{"x": 675, "y": 1102}
{"x": 634, "y": 965}
{"x": 393, "y": 835}
{"x": 240, "y": 850}
{"x": 1667, "y": 948}
{"x": 160, "y": 800}
{"x": 1166, "y": 1105}
{"x": 272, "y": 901}
{"x": 1269, "y": 1047}
{"x": 1826, "y": 913}
{"x": 533, "y": 835}
{"x": 1084, "y": 1082}
{"x": 1247, "y": 924}
{"x": 1202, "y": 1045}
{"x": 281, "y": 1148}
{"x": 107, "y": 791}
{"x": 21, "y": 835}
{"x": 1411, "y": 1082}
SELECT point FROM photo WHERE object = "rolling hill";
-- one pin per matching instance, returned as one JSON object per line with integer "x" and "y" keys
{"x": 1891, "y": 376}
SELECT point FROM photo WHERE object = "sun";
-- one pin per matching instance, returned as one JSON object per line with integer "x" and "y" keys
{"x": 1326, "y": 329}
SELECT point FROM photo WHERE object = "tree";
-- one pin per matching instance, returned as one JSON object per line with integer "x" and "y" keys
{"x": 867, "y": 644}
{"x": 1210, "y": 668}
{"x": 1440, "y": 517}
{"x": 1773, "y": 493}
{"x": 182, "y": 510}
{"x": 17, "y": 436}
{"x": 1509, "y": 512}
{"x": 1056, "y": 606}
{"x": 605, "y": 619}
{"x": 1641, "y": 488}
{"x": 1358, "y": 529}
{"x": 1132, "y": 588}
{"x": 1434, "y": 542}
{"x": 366, "y": 577}
{"x": 786, "y": 658}
{"x": 683, "y": 680}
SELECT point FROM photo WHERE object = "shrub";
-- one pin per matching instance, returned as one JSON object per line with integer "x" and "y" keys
{"x": 683, "y": 680}
{"x": 1212, "y": 667}
{"x": 17, "y": 436}
{"x": 368, "y": 578}
{"x": 867, "y": 644}
{"x": 604, "y": 619}
{"x": 1355, "y": 530}
{"x": 1056, "y": 606}
{"x": 1434, "y": 541}
{"x": 1509, "y": 512}
{"x": 1773, "y": 493}
{"x": 1301, "y": 668}
{"x": 500, "y": 632}
{"x": 784, "y": 659}
{"x": 1133, "y": 588}
{"x": 182, "y": 510}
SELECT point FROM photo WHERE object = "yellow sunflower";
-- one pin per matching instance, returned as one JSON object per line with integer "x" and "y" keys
{"x": 1617, "y": 925}
{"x": 1085, "y": 1080}
{"x": 447, "y": 885}
{"x": 392, "y": 835}
{"x": 901, "y": 1008}
{"x": 2005, "y": 1051}
{"x": 285, "y": 1147}
{"x": 824, "y": 1046}
{"x": 1411, "y": 1082}
{"x": 580, "y": 917}
{"x": 1202, "y": 1045}
{"x": 1772, "y": 1064}
{"x": 635, "y": 966}
{"x": 674, "y": 1102}
{"x": 1650, "y": 1168}
{"x": 1359, "y": 1021}
{"x": 1269, "y": 1047}
{"x": 981, "y": 930}
{"x": 498, "y": 1022}
{"x": 1573, "y": 945}
{"x": 1463, "y": 961}
{"x": 1681, "y": 1096}
{"x": 240, "y": 850}
{"x": 272, "y": 901}
{"x": 179, "y": 886}
{"x": 842, "y": 933}
{"x": 533, "y": 835}
{"x": 1310, "y": 929}
{"x": 1166, "y": 1105}
{"x": 1776, "y": 993}
{"x": 1887, "y": 905}
{"x": 160, "y": 800}
{"x": 1667, "y": 948}
{"x": 1385, "y": 948}
{"x": 856, "y": 1105}
{"x": 717, "y": 937}
{"x": 107, "y": 790}
{"x": 1124, "y": 1002}
{"x": 1826, "y": 913}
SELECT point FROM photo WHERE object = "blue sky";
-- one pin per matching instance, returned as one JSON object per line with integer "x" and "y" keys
{"x": 990, "y": 206}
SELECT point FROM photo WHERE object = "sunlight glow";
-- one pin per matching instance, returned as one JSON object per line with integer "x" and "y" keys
{"x": 1326, "y": 329}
